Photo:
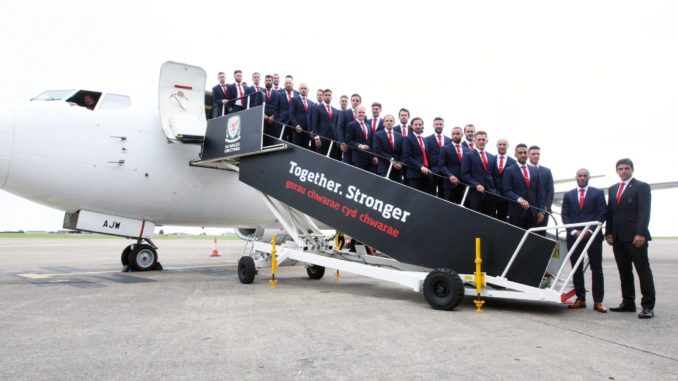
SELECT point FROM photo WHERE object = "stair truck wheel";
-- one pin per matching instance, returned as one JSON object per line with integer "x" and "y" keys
{"x": 443, "y": 289}
{"x": 143, "y": 257}
{"x": 315, "y": 271}
{"x": 246, "y": 270}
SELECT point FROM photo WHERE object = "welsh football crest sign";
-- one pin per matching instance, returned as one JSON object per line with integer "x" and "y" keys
{"x": 233, "y": 129}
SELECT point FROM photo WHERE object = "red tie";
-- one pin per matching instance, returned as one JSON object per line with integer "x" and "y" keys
{"x": 619, "y": 192}
{"x": 501, "y": 164}
{"x": 527, "y": 177}
{"x": 364, "y": 129}
{"x": 482, "y": 155}
{"x": 472, "y": 146}
{"x": 289, "y": 96}
{"x": 440, "y": 141}
{"x": 223, "y": 88}
{"x": 268, "y": 94}
{"x": 240, "y": 94}
{"x": 353, "y": 112}
{"x": 582, "y": 192}
{"x": 458, "y": 152}
{"x": 374, "y": 125}
{"x": 423, "y": 150}
{"x": 405, "y": 130}
{"x": 390, "y": 139}
{"x": 329, "y": 112}
{"x": 303, "y": 99}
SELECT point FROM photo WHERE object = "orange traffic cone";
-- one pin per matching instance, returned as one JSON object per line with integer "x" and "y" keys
{"x": 215, "y": 252}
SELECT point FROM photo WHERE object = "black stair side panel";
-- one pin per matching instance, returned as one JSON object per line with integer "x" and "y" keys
{"x": 434, "y": 234}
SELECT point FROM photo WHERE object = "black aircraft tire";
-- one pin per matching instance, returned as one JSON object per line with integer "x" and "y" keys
{"x": 247, "y": 270}
{"x": 315, "y": 271}
{"x": 124, "y": 257}
{"x": 143, "y": 258}
{"x": 443, "y": 289}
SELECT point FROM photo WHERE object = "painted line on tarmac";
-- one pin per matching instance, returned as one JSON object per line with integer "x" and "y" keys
{"x": 45, "y": 276}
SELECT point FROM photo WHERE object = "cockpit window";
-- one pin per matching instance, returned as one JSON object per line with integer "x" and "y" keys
{"x": 114, "y": 101}
{"x": 85, "y": 98}
{"x": 53, "y": 95}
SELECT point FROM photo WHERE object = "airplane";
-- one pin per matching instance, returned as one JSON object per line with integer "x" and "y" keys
{"x": 118, "y": 162}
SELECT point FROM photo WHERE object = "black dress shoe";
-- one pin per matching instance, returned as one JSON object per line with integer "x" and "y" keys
{"x": 646, "y": 313}
{"x": 624, "y": 308}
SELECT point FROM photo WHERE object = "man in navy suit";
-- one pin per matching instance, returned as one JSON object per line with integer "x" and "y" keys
{"x": 503, "y": 161}
{"x": 476, "y": 171}
{"x": 376, "y": 123}
{"x": 219, "y": 95}
{"x": 387, "y": 144}
{"x": 403, "y": 128}
{"x": 449, "y": 165}
{"x": 300, "y": 117}
{"x": 255, "y": 92}
{"x": 236, "y": 94}
{"x": 282, "y": 101}
{"x": 520, "y": 184}
{"x": 270, "y": 126}
{"x": 323, "y": 124}
{"x": 628, "y": 217}
{"x": 545, "y": 180}
{"x": 434, "y": 143}
{"x": 359, "y": 140}
{"x": 585, "y": 204}
{"x": 345, "y": 117}
{"x": 469, "y": 134}
{"x": 418, "y": 171}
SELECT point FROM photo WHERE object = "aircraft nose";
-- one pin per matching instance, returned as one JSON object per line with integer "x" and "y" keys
{"x": 7, "y": 122}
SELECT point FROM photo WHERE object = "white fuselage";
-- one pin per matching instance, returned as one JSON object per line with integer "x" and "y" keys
{"x": 117, "y": 162}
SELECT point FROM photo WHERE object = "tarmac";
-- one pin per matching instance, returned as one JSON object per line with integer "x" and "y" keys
{"x": 67, "y": 312}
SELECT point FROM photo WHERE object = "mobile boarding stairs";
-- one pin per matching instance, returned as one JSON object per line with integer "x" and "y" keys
{"x": 422, "y": 242}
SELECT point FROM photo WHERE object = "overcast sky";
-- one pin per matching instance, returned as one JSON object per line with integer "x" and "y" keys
{"x": 588, "y": 81}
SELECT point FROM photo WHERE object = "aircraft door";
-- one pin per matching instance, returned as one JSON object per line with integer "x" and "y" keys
{"x": 181, "y": 97}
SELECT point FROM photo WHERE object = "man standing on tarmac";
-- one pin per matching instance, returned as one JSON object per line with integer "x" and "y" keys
{"x": 583, "y": 204}
{"x": 628, "y": 217}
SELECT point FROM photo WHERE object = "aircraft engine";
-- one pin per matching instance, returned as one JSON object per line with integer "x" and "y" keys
{"x": 263, "y": 235}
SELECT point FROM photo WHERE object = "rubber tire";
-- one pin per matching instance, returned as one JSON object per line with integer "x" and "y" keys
{"x": 315, "y": 271}
{"x": 443, "y": 289}
{"x": 247, "y": 270}
{"x": 124, "y": 257}
{"x": 139, "y": 258}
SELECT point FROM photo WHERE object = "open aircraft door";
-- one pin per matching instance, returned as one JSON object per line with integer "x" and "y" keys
{"x": 181, "y": 101}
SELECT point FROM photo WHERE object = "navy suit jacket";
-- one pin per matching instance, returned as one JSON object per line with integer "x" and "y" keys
{"x": 282, "y": 106}
{"x": 498, "y": 177}
{"x": 269, "y": 109}
{"x": 380, "y": 124}
{"x": 256, "y": 98}
{"x": 218, "y": 96}
{"x": 232, "y": 94}
{"x": 354, "y": 137}
{"x": 449, "y": 163}
{"x": 322, "y": 124}
{"x": 473, "y": 173}
{"x": 464, "y": 144}
{"x": 632, "y": 216}
{"x": 345, "y": 117}
{"x": 546, "y": 180}
{"x": 594, "y": 208}
{"x": 413, "y": 157}
{"x": 299, "y": 116}
{"x": 382, "y": 147}
{"x": 399, "y": 129}
{"x": 433, "y": 150}
{"x": 514, "y": 187}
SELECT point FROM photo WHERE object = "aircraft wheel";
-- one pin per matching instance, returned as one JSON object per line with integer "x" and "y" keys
{"x": 124, "y": 257}
{"x": 315, "y": 271}
{"x": 443, "y": 289}
{"x": 246, "y": 270}
{"x": 143, "y": 257}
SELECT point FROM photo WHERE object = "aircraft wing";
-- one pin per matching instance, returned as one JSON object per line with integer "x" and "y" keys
{"x": 558, "y": 196}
